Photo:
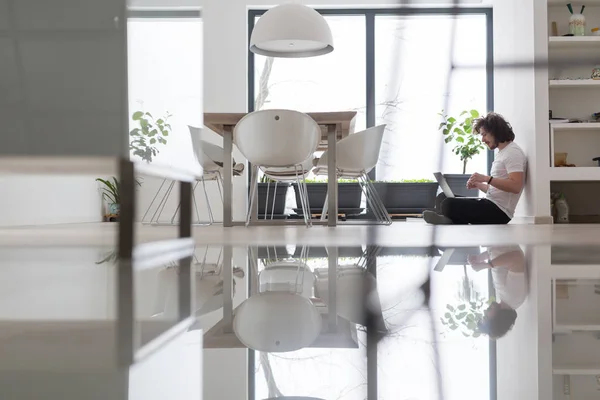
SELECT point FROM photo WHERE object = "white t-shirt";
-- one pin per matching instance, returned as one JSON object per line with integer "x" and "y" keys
{"x": 508, "y": 160}
{"x": 511, "y": 286}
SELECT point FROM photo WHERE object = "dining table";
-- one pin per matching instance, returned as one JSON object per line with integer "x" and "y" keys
{"x": 335, "y": 125}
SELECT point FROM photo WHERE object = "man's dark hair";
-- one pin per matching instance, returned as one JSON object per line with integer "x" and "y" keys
{"x": 498, "y": 325}
{"x": 495, "y": 125}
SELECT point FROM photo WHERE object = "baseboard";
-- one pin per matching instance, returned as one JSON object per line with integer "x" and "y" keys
{"x": 530, "y": 220}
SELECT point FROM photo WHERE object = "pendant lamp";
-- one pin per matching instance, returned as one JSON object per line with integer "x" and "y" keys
{"x": 291, "y": 30}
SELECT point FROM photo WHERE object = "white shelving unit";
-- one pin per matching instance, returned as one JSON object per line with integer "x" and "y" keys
{"x": 573, "y": 94}
{"x": 576, "y": 331}
{"x": 574, "y": 83}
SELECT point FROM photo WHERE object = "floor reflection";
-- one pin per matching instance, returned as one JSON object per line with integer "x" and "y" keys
{"x": 328, "y": 323}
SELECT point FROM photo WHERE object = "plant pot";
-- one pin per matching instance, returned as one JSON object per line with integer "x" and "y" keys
{"x": 409, "y": 197}
{"x": 458, "y": 184}
{"x": 279, "y": 195}
{"x": 349, "y": 195}
{"x": 114, "y": 208}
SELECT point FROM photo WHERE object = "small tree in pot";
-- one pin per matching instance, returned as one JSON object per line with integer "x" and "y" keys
{"x": 467, "y": 145}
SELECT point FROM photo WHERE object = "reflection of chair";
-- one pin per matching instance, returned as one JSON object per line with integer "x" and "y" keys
{"x": 211, "y": 157}
{"x": 288, "y": 320}
{"x": 356, "y": 155}
{"x": 279, "y": 142}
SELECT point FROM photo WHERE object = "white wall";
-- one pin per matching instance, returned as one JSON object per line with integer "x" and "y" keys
{"x": 520, "y": 94}
{"x": 524, "y": 356}
{"x": 36, "y": 200}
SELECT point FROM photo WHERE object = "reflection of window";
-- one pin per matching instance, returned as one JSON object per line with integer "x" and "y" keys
{"x": 412, "y": 68}
{"x": 165, "y": 75}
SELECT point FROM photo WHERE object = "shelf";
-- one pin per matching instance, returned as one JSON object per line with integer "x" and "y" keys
{"x": 563, "y": 328}
{"x": 573, "y": 41}
{"x": 569, "y": 83}
{"x": 575, "y": 174}
{"x": 576, "y": 370}
{"x": 563, "y": 3}
{"x": 584, "y": 126}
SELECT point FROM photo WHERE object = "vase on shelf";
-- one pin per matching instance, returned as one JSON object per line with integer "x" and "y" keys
{"x": 596, "y": 73}
{"x": 577, "y": 25}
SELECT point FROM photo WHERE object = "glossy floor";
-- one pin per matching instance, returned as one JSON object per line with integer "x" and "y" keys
{"x": 356, "y": 321}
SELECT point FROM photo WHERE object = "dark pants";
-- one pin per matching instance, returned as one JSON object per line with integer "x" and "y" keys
{"x": 464, "y": 211}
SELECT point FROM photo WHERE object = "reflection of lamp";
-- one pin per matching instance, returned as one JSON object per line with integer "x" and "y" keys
{"x": 291, "y": 31}
{"x": 281, "y": 318}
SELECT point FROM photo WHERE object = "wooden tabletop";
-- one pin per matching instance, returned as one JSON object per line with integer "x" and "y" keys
{"x": 343, "y": 119}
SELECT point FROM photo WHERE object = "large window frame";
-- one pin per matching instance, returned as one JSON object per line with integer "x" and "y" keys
{"x": 370, "y": 15}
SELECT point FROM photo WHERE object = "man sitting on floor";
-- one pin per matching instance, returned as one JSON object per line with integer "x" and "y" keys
{"x": 503, "y": 188}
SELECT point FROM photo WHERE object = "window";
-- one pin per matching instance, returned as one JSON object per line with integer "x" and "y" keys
{"x": 165, "y": 76}
{"x": 393, "y": 67}
{"x": 412, "y": 71}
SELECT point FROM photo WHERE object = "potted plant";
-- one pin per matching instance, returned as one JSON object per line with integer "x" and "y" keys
{"x": 111, "y": 194}
{"x": 148, "y": 134}
{"x": 467, "y": 145}
{"x": 277, "y": 192}
{"x": 408, "y": 195}
{"x": 349, "y": 194}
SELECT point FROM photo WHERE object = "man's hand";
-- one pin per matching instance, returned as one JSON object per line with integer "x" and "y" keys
{"x": 479, "y": 178}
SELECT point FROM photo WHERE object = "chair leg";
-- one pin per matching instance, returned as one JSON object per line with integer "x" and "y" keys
{"x": 325, "y": 208}
{"x": 162, "y": 204}
{"x": 375, "y": 201}
{"x": 179, "y": 204}
{"x": 153, "y": 200}
{"x": 301, "y": 181}
{"x": 211, "y": 218}
{"x": 267, "y": 199}
{"x": 253, "y": 188}
{"x": 274, "y": 199}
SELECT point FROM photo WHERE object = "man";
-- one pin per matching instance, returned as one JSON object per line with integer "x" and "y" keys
{"x": 503, "y": 187}
{"x": 509, "y": 274}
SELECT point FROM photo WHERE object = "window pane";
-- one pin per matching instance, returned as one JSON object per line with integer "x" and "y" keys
{"x": 333, "y": 82}
{"x": 412, "y": 64}
{"x": 165, "y": 77}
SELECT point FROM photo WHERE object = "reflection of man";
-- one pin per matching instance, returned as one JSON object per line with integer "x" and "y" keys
{"x": 509, "y": 274}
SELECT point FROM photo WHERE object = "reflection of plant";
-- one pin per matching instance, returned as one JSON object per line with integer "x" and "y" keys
{"x": 465, "y": 317}
{"x": 460, "y": 130}
{"x": 111, "y": 191}
{"x": 149, "y": 133}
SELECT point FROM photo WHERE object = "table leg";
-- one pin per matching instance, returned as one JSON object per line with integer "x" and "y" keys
{"x": 228, "y": 176}
{"x": 332, "y": 263}
{"x": 227, "y": 276}
{"x": 332, "y": 186}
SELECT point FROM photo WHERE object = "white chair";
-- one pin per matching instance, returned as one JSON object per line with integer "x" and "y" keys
{"x": 356, "y": 155}
{"x": 211, "y": 157}
{"x": 280, "y": 142}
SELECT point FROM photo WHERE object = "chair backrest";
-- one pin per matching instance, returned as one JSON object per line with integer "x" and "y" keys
{"x": 207, "y": 154}
{"x": 358, "y": 151}
{"x": 277, "y": 138}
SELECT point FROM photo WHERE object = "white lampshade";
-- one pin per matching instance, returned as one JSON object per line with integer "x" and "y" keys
{"x": 277, "y": 322}
{"x": 291, "y": 31}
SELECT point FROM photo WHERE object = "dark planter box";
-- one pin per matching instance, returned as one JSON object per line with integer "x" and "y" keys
{"x": 279, "y": 195}
{"x": 410, "y": 196}
{"x": 349, "y": 195}
{"x": 458, "y": 184}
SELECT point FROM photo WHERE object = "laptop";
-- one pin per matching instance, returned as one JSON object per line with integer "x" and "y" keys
{"x": 439, "y": 177}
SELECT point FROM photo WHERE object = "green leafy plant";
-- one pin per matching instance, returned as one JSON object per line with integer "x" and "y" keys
{"x": 465, "y": 317}
{"x": 424, "y": 180}
{"x": 460, "y": 131}
{"x": 148, "y": 134}
{"x": 325, "y": 180}
{"x": 111, "y": 189}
